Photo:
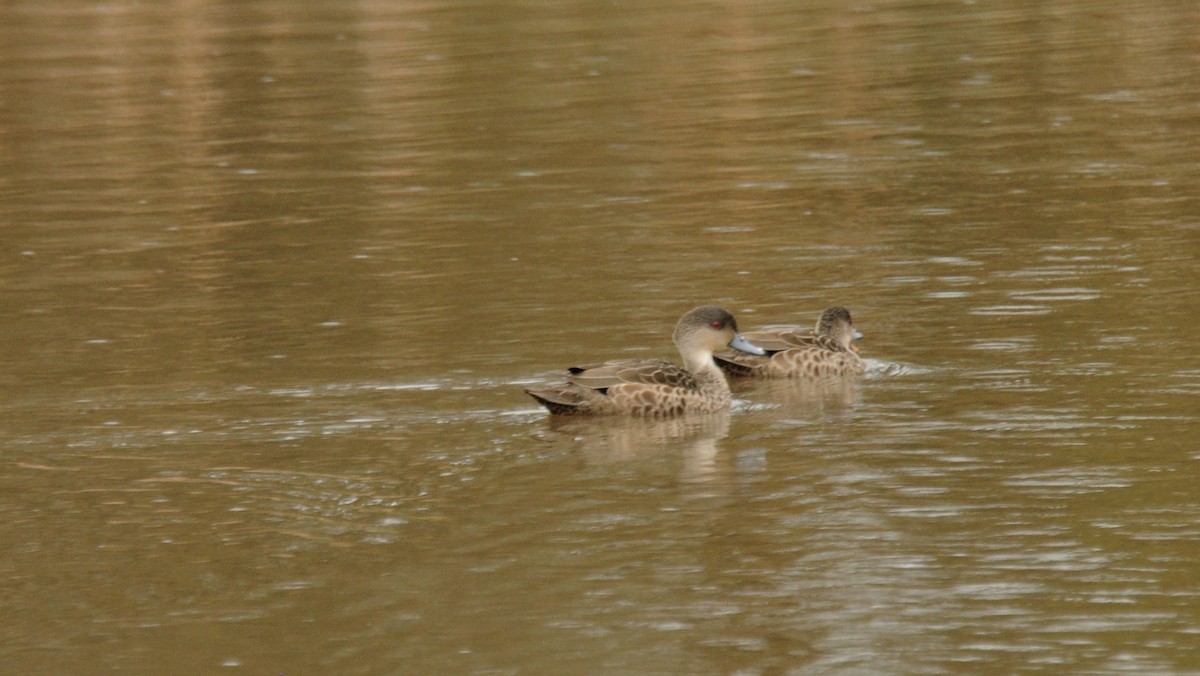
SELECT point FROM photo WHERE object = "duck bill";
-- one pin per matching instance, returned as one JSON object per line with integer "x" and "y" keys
{"x": 857, "y": 335}
{"x": 740, "y": 343}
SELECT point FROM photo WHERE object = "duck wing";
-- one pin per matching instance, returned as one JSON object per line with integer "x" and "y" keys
{"x": 741, "y": 364}
{"x": 809, "y": 340}
{"x": 620, "y": 371}
{"x": 778, "y": 341}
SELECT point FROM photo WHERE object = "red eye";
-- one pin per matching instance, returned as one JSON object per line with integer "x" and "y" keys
{"x": 717, "y": 325}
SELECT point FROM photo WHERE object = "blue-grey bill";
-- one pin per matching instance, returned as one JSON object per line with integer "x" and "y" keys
{"x": 740, "y": 343}
{"x": 857, "y": 335}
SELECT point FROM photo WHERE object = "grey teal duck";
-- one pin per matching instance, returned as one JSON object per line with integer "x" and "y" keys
{"x": 655, "y": 388}
{"x": 826, "y": 351}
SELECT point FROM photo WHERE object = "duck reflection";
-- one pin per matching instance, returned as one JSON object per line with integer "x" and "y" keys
{"x": 615, "y": 440}
{"x": 815, "y": 394}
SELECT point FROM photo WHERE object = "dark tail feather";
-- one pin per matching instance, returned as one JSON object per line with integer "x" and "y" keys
{"x": 733, "y": 368}
{"x": 556, "y": 406}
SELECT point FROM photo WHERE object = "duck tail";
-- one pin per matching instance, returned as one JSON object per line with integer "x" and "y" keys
{"x": 556, "y": 401}
{"x": 732, "y": 367}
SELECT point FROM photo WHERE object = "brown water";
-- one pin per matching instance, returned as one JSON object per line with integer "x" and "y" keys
{"x": 274, "y": 274}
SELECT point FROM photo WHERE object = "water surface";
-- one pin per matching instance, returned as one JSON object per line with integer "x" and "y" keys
{"x": 275, "y": 275}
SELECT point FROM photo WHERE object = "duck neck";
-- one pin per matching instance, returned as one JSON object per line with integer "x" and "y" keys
{"x": 710, "y": 379}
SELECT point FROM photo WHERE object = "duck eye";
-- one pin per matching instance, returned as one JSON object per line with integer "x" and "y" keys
{"x": 718, "y": 324}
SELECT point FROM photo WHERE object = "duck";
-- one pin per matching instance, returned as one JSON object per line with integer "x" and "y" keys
{"x": 655, "y": 388}
{"x": 828, "y": 350}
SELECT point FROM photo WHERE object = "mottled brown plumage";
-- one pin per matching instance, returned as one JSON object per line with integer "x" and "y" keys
{"x": 654, "y": 388}
{"x": 825, "y": 351}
